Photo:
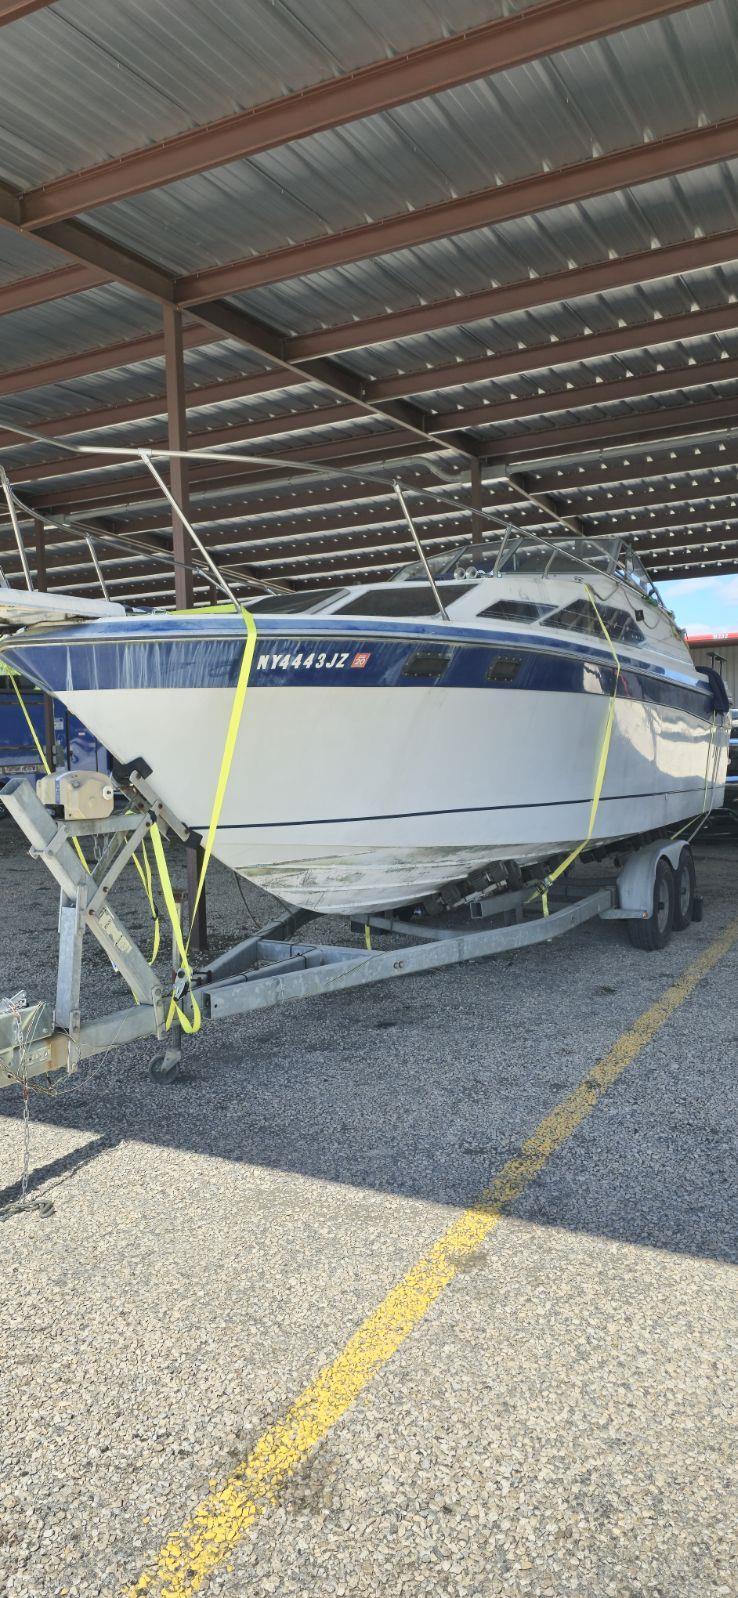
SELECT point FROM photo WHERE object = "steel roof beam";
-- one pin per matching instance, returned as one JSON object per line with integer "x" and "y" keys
{"x": 227, "y": 542}
{"x": 83, "y": 244}
{"x": 282, "y": 554}
{"x": 532, "y": 292}
{"x": 681, "y": 461}
{"x": 348, "y": 385}
{"x": 321, "y": 524}
{"x": 669, "y": 571}
{"x": 155, "y": 405}
{"x": 544, "y": 502}
{"x": 492, "y": 47}
{"x": 679, "y": 421}
{"x": 296, "y": 497}
{"x": 13, "y": 10}
{"x": 580, "y": 397}
{"x": 76, "y": 465}
{"x": 129, "y": 352}
{"x": 540, "y": 191}
{"x": 220, "y": 529}
{"x": 237, "y": 529}
{"x": 560, "y": 352}
{"x": 510, "y": 452}
{"x": 526, "y": 294}
{"x": 387, "y": 446}
{"x": 252, "y": 556}
{"x": 48, "y": 286}
{"x": 371, "y": 513}
{"x": 90, "y": 248}
{"x": 540, "y": 357}
{"x": 569, "y": 399}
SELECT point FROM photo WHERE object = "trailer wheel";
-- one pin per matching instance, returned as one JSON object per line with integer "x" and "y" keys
{"x": 685, "y": 883}
{"x": 655, "y": 931}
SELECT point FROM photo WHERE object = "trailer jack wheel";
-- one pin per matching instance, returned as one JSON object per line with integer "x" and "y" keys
{"x": 166, "y": 1067}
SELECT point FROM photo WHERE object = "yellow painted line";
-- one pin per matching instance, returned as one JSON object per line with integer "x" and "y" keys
{"x": 220, "y": 1521}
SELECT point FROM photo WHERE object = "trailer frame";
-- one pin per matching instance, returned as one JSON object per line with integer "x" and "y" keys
{"x": 273, "y": 966}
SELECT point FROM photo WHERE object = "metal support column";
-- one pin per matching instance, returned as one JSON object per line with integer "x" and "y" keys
{"x": 178, "y": 468}
{"x": 184, "y": 592}
{"x": 475, "y": 482}
{"x": 41, "y": 580}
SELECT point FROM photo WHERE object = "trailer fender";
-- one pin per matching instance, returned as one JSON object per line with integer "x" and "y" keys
{"x": 637, "y": 879}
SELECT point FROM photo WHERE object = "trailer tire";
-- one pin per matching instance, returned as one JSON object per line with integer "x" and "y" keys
{"x": 685, "y": 884}
{"x": 654, "y": 931}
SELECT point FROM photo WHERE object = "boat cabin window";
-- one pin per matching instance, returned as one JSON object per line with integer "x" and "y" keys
{"x": 427, "y": 663}
{"x": 580, "y": 617}
{"x": 504, "y": 669}
{"x": 295, "y": 604}
{"x": 515, "y": 610}
{"x": 405, "y": 601}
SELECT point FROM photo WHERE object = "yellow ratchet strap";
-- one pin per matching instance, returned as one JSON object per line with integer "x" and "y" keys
{"x": 42, "y": 756}
{"x": 709, "y": 783}
{"x": 234, "y": 723}
{"x": 601, "y": 767}
{"x": 188, "y": 1025}
{"x": 709, "y": 779}
{"x": 143, "y": 868}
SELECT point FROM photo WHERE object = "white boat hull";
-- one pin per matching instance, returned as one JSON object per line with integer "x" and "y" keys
{"x": 353, "y": 800}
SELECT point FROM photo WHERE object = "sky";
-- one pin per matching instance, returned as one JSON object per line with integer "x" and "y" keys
{"x": 703, "y": 604}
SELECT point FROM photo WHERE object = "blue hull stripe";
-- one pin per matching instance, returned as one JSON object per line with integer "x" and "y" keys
{"x": 98, "y": 657}
{"x": 462, "y": 810}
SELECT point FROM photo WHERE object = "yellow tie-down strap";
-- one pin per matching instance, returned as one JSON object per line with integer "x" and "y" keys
{"x": 601, "y": 769}
{"x": 191, "y": 1023}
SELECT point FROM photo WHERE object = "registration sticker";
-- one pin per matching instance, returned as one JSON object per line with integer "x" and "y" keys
{"x": 361, "y": 660}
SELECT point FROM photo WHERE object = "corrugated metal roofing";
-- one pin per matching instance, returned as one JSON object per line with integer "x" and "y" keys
{"x": 21, "y": 257}
{"x": 611, "y": 225}
{"x": 629, "y": 88}
{"x": 127, "y": 73}
{"x": 81, "y": 321}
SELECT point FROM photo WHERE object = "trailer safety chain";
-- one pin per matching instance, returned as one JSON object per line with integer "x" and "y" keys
{"x": 183, "y": 982}
{"x": 553, "y": 876}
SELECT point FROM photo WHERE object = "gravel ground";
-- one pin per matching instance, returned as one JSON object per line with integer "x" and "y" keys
{"x": 559, "y": 1422}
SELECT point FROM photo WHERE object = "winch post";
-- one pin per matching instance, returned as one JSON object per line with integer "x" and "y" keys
{"x": 83, "y": 907}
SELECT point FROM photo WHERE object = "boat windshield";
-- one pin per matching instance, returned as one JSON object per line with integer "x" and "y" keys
{"x": 509, "y": 553}
{"x": 296, "y": 604}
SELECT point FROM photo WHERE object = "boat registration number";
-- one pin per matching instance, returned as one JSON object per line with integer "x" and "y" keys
{"x": 312, "y": 661}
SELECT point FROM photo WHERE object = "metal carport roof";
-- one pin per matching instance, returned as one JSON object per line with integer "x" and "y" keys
{"x": 501, "y": 241}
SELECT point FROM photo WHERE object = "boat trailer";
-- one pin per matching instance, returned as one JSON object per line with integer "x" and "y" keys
{"x": 275, "y": 966}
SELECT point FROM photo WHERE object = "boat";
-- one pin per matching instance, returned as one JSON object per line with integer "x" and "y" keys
{"x": 397, "y": 736}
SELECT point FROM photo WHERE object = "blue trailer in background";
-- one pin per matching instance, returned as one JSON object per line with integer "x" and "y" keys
{"x": 74, "y": 745}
